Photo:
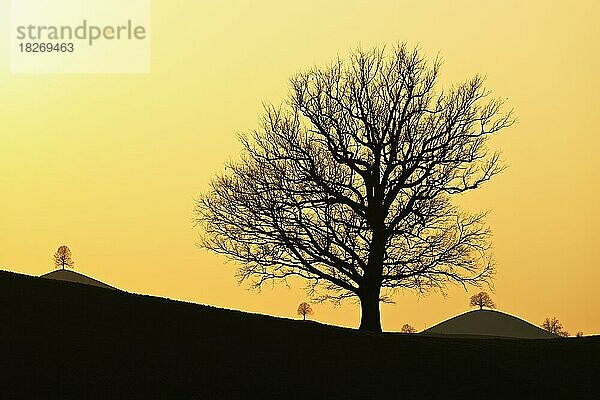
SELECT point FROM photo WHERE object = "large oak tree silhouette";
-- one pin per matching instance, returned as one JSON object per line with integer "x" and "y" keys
{"x": 348, "y": 185}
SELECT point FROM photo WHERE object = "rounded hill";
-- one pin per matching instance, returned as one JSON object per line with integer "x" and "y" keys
{"x": 488, "y": 323}
{"x": 72, "y": 276}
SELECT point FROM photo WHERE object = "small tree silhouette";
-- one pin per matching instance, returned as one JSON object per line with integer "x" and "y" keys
{"x": 482, "y": 299}
{"x": 406, "y": 328}
{"x": 62, "y": 258}
{"x": 304, "y": 309}
{"x": 553, "y": 325}
{"x": 579, "y": 334}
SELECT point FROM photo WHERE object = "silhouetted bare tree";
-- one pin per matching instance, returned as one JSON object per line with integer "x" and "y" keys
{"x": 406, "y": 328}
{"x": 579, "y": 334}
{"x": 482, "y": 299}
{"x": 62, "y": 258}
{"x": 553, "y": 325}
{"x": 304, "y": 309}
{"x": 348, "y": 185}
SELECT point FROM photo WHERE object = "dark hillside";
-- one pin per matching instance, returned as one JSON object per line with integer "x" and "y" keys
{"x": 71, "y": 341}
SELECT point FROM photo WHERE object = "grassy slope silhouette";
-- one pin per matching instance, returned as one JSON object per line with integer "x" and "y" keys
{"x": 71, "y": 341}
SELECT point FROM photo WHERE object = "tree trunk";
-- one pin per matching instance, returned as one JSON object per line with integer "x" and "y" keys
{"x": 370, "y": 318}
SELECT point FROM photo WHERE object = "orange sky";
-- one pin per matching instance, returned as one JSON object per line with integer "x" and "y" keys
{"x": 110, "y": 164}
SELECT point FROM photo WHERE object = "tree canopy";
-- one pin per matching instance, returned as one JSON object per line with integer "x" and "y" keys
{"x": 482, "y": 299}
{"x": 304, "y": 309}
{"x": 553, "y": 325}
{"x": 63, "y": 258}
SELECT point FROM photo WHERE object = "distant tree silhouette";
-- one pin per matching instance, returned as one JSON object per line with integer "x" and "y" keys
{"x": 579, "y": 334}
{"x": 406, "y": 328}
{"x": 553, "y": 325}
{"x": 348, "y": 185}
{"x": 482, "y": 299}
{"x": 304, "y": 309}
{"x": 62, "y": 258}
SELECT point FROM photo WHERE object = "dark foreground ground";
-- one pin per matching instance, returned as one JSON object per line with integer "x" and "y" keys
{"x": 71, "y": 341}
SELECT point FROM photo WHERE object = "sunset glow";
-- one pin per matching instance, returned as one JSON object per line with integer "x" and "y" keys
{"x": 110, "y": 164}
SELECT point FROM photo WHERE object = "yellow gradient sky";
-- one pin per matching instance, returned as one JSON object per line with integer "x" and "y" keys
{"x": 110, "y": 164}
